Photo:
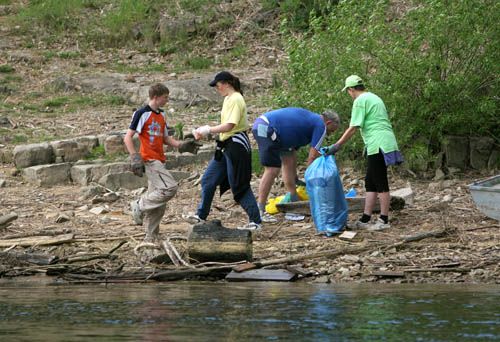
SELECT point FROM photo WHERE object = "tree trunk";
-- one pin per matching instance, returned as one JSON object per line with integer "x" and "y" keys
{"x": 211, "y": 241}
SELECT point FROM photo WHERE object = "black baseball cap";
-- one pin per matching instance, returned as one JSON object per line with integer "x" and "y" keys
{"x": 221, "y": 76}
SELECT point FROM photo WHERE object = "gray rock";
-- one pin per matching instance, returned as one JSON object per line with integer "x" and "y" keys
{"x": 480, "y": 150}
{"x": 33, "y": 154}
{"x": 6, "y": 155}
{"x": 48, "y": 175}
{"x": 69, "y": 150}
{"x": 494, "y": 160}
{"x": 3, "y": 183}
{"x": 82, "y": 174}
{"x": 114, "y": 144}
{"x": 439, "y": 175}
{"x": 89, "y": 142}
{"x": 91, "y": 191}
{"x": 122, "y": 180}
{"x": 456, "y": 150}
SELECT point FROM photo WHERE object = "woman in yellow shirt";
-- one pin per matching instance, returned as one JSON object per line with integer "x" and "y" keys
{"x": 231, "y": 167}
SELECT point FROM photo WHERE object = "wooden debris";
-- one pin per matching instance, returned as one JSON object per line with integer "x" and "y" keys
{"x": 347, "y": 235}
{"x": 173, "y": 254}
{"x": 336, "y": 252}
{"x": 6, "y": 220}
{"x": 388, "y": 274}
{"x": 262, "y": 274}
{"x": 38, "y": 241}
{"x": 32, "y": 258}
{"x": 355, "y": 204}
{"x": 211, "y": 241}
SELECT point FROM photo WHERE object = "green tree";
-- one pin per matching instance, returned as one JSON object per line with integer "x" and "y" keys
{"x": 435, "y": 64}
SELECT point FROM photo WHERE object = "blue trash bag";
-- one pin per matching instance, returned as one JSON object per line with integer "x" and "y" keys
{"x": 326, "y": 195}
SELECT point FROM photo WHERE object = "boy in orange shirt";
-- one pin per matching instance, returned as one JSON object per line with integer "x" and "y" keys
{"x": 150, "y": 123}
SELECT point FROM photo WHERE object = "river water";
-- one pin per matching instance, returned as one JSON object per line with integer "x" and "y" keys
{"x": 268, "y": 311}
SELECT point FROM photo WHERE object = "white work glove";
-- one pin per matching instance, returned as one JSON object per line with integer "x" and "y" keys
{"x": 201, "y": 132}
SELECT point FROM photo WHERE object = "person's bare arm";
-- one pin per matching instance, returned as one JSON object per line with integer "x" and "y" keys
{"x": 313, "y": 154}
{"x": 171, "y": 141}
{"x": 347, "y": 135}
{"x": 129, "y": 143}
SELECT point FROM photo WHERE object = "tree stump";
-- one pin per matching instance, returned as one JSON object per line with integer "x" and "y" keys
{"x": 210, "y": 241}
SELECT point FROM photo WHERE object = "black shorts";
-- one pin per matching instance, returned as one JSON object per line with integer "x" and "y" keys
{"x": 376, "y": 174}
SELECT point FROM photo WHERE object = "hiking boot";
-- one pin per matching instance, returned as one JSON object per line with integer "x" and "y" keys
{"x": 136, "y": 212}
{"x": 267, "y": 218}
{"x": 379, "y": 225}
{"x": 192, "y": 218}
{"x": 358, "y": 225}
{"x": 252, "y": 226}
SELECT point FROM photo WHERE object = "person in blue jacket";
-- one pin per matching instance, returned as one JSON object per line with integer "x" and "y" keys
{"x": 279, "y": 134}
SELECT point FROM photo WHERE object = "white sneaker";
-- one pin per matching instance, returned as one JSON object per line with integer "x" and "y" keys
{"x": 251, "y": 226}
{"x": 358, "y": 225}
{"x": 267, "y": 218}
{"x": 136, "y": 212}
{"x": 192, "y": 218}
{"x": 379, "y": 225}
{"x": 294, "y": 217}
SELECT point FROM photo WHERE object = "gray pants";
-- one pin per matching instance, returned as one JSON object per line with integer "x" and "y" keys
{"x": 161, "y": 188}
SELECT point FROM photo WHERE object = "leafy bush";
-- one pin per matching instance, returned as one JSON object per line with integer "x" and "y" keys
{"x": 437, "y": 77}
{"x": 297, "y": 12}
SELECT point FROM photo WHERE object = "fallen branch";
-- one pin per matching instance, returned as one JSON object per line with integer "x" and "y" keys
{"x": 38, "y": 241}
{"x": 483, "y": 227}
{"x": 32, "y": 258}
{"x": 108, "y": 238}
{"x": 441, "y": 269}
{"x": 336, "y": 252}
{"x": 173, "y": 254}
{"x": 6, "y": 220}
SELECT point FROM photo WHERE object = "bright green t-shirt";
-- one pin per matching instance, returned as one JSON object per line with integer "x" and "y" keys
{"x": 234, "y": 110}
{"x": 370, "y": 115}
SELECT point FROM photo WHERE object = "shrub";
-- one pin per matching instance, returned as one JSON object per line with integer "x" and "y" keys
{"x": 437, "y": 77}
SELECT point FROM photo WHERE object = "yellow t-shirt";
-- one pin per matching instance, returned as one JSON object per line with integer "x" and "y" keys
{"x": 234, "y": 110}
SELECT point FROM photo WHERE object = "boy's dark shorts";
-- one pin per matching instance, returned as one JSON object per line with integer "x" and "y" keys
{"x": 376, "y": 174}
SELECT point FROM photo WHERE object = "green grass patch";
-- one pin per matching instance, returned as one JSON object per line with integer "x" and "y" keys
{"x": 55, "y": 15}
{"x": 56, "y": 102}
{"x": 19, "y": 139}
{"x": 69, "y": 54}
{"x": 96, "y": 153}
{"x": 5, "y": 69}
{"x": 239, "y": 51}
{"x": 199, "y": 63}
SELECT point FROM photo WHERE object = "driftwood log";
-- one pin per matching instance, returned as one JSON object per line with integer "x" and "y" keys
{"x": 6, "y": 220}
{"x": 32, "y": 258}
{"x": 355, "y": 204}
{"x": 39, "y": 241}
{"x": 210, "y": 241}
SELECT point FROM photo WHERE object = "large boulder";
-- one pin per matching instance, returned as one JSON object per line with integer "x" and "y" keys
{"x": 33, "y": 154}
{"x": 48, "y": 175}
{"x": 456, "y": 150}
{"x": 480, "y": 151}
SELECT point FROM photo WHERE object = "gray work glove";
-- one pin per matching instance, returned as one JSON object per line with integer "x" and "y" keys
{"x": 137, "y": 164}
{"x": 189, "y": 145}
{"x": 332, "y": 149}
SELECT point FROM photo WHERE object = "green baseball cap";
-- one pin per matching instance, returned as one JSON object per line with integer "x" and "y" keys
{"x": 352, "y": 81}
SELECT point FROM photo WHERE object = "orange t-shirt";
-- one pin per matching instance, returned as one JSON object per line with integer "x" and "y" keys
{"x": 151, "y": 127}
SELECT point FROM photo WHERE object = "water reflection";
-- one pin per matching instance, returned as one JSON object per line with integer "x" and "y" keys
{"x": 248, "y": 311}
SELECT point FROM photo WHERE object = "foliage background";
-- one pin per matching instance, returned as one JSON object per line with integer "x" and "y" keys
{"x": 434, "y": 63}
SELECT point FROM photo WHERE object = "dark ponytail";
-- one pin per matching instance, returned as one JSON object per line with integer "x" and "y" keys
{"x": 235, "y": 83}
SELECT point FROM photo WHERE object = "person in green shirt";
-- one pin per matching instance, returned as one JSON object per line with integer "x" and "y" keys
{"x": 369, "y": 115}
